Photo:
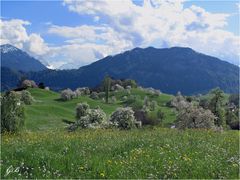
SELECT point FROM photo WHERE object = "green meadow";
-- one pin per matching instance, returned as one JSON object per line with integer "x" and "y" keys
{"x": 46, "y": 150}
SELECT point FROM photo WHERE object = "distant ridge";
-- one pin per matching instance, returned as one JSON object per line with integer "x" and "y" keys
{"x": 169, "y": 69}
{"x": 16, "y": 59}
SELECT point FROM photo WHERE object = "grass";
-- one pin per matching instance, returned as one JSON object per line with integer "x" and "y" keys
{"x": 143, "y": 153}
{"x": 45, "y": 150}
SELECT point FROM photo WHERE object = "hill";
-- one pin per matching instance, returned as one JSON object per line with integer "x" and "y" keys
{"x": 16, "y": 59}
{"x": 48, "y": 112}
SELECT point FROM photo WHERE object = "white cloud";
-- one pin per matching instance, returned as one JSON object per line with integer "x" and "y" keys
{"x": 158, "y": 23}
{"x": 14, "y": 32}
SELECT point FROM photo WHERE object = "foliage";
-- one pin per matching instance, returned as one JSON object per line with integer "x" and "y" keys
{"x": 28, "y": 84}
{"x": 216, "y": 106}
{"x": 26, "y": 97}
{"x": 195, "y": 117}
{"x": 94, "y": 95}
{"x": 123, "y": 118}
{"x": 12, "y": 112}
{"x": 89, "y": 118}
{"x": 82, "y": 91}
{"x": 234, "y": 98}
{"x": 41, "y": 85}
{"x": 107, "y": 83}
{"x": 67, "y": 95}
{"x": 81, "y": 110}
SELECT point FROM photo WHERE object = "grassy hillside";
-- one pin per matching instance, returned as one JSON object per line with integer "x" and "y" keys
{"x": 46, "y": 151}
{"x": 48, "y": 111}
{"x": 141, "y": 153}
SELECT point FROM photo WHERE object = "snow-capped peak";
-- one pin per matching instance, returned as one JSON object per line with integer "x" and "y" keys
{"x": 6, "y": 48}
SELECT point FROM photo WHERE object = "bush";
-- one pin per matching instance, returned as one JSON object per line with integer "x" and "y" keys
{"x": 26, "y": 97}
{"x": 12, "y": 112}
{"x": 179, "y": 102}
{"x": 195, "y": 117}
{"x": 153, "y": 105}
{"x": 160, "y": 115}
{"x": 89, "y": 118}
{"x": 113, "y": 99}
{"x": 94, "y": 95}
{"x": 117, "y": 87}
{"x": 81, "y": 110}
{"x": 97, "y": 117}
{"x": 123, "y": 118}
{"x": 82, "y": 91}
{"x": 41, "y": 85}
{"x": 28, "y": 84}
{"x": 67, "y": 94}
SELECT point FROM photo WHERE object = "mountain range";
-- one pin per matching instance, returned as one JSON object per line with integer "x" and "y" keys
{"x": 169, "y": 69}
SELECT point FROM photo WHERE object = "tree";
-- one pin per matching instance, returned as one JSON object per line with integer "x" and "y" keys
{"x": 107, "y": 83}
{"x": 123, "y": 118}
{"x": 195, "y": 117}
{"x": 67, "y": 94}
{"x": 41, "y": 85}
{"x": 234, "y": 98}
{"x": 26, "y": 97}
{"x": 12, "y": 112}
{"x": 216, "y": 106}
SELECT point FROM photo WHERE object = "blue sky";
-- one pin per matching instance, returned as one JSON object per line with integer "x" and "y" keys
{"x": 46, "y": 28}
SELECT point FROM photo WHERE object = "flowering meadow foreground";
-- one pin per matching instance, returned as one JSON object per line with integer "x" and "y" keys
{"x": 140, "y": 153}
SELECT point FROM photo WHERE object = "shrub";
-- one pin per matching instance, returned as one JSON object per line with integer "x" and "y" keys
{"x": 97, "y": 117}
{"x": 94, "y": 95}
{"x": 12, "y": 112}
{"x": 117, "y": 87}
{"x": 146, "y": 101}
{"x": 67, "y": 94}
{"x": 81, "y": 110}
{"x": 124, "y": 98}
{"x": 160, "y": 115}
{"x": 28, "y": 84}
{"x": 195, "y": 117}
{"x": 26, "y": 97}
{"x": 82, "y": 91}
{"x": 113, "y": 99}
{"x": 123, "y": 118}
{"x": 90, "y": 118}
{"x": 153, "y": 105}
{"x": 41, "y": 85}
{"x": 179, "y": 102}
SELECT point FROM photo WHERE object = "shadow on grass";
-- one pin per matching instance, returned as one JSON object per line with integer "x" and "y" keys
{"x": 67, "y": 121}
{"x": 59, "y": 100}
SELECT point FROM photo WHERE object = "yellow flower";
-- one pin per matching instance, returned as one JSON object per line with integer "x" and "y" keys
{"x": 109, "y": 161}
{"x": 102, "y": 174}
{"x": 81, "y": 168}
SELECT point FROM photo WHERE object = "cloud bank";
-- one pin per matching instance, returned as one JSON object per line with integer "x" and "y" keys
{"x": 121, "y": 25}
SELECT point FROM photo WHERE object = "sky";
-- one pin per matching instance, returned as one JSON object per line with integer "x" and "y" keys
{"x": 69, "y": 34}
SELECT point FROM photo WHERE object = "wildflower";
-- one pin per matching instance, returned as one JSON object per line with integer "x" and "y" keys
{"x": 102, "y": 174}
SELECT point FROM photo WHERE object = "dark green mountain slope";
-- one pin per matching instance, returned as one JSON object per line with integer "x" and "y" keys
{"x": 16, "y": 59}
{"x": 170, "y": 70}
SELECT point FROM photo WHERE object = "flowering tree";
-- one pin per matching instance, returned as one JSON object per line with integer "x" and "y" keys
{"x": 123, "y": 118}
{"x": 12, "y": 112}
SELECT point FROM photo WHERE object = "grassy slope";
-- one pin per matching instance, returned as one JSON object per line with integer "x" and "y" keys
{"x": 141, "y": 153}
{"x": 47, "y": 112}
